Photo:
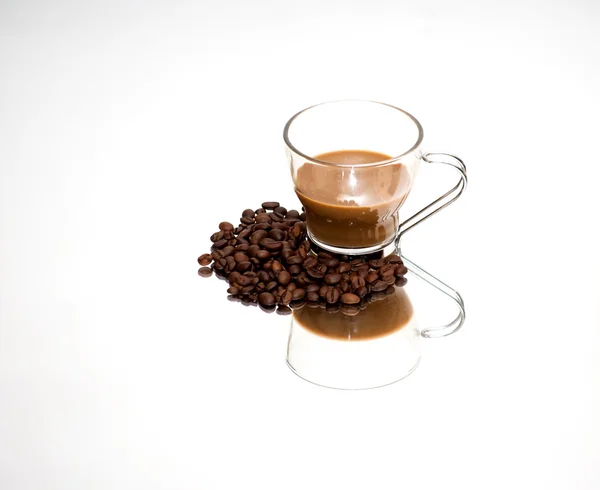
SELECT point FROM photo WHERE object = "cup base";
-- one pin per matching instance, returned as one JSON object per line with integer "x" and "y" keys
{"x": 381, "y": 250}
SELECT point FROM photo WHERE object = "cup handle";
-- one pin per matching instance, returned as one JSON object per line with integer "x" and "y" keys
{"x": 454, "y": 325}
{"x": 442, "y": 201}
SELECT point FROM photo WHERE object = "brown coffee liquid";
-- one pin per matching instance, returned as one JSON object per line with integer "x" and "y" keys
{"x": 352, "y": 207}
{"x": 379, "y": 318}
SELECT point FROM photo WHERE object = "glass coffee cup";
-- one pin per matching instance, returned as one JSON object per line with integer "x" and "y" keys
{"x": 353, "y": 164}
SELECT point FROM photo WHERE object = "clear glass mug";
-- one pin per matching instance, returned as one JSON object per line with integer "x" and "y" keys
{"x": 382, "y": 343}
{"x": 354, "y": 208}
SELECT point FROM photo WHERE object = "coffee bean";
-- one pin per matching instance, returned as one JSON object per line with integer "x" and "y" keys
{"x": 312, "y": 296}
{"x": 253, "y": 250}
{"x": 303, "y": 216}
{"x": 248, "y": 221}
{"x": 280, "y": 210}
{"x": 312, "y": 288}
{"x": 292, "y": 213}
{"x": 270, "y": 205}
{"x": 262, "y": 226}
{"x": 389, "y": 280}
{"x": 379, "y": 286}
{"x": 298, "y": 294}
{"x": 205, "y": 272}
{"x": 357, "y": 282}
{"x": 294, "y": 270}
{"x": 294, "y": 259}
{"x": 263, "y": 255}
{"x": 271, "y": 285}
{"x": 243, "y": 280}
{"x": 286, "y": 298}
{"x": 205, "y": 259}
{"x": 401, "y": 281}
{"x": 361, "y": 292}
{"x": 273, "y": 246}
{"x": 247, "y": 289}
{"x": 218, "y": 265}
{"x": 309, "y": 262}
{"x": 216, "y": 255}
{"x": 248, "y": 213}
{"x": 332, "y": 295}
{"x": 394, "y": 259}
{"x": 284, "y": 278}
{"x": 390, "y": 290}
{"x": 333, "y": 278}
{"x": 344, "y": 267}
{"x": 344, "y": 286}
{"x": 267, "y": 309}
{"x": 291, "y": 286}
{"x": 259, "y": 211}
{"x": 277, "y": 235}
{"x": 233, "y": 298}
{"x": 241, "y": 257}
{"x": 283, "y": 310}
{"x": 257, "y": 236}
{"x": 220, "y": 243}
{"x": 372, "y": 277}
{"x": 376, "y": 264}
{"x": 242, "y": 248}
{"x": 350, "y": 299}
{"x": 215, "y": 237}
{"x": 264, "y": 276}
{"x": 276, "y": 267}
{"x": 314, "y": 273}
{"x": 244, "y": 266}
{"x": 323, "y": 290}
{"x": 401, "y": 270}
{"x": 387, "y": 270}
{"x": 266, "y": 299}
{"x": 233, "y": 290}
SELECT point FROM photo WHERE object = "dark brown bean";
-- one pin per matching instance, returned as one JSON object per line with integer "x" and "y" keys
{"x": 379, "y": 286}
{"x": 242, "y": 248}
{"x": 312, "y": 296}
{"x": 266, "y": 299}
{"x": 248, "y": 221}
{"x": 253, "y": 250}
{"x": 259, "y": 211}
{"x": 372, "y": 277}
{"x": 263, "y": 218}
{"x": 390, "y": 290}
{"x": 286, "y": 298}
{"x": 272, "y": 246}
{"x": 216, "y": 255}
{"x": 298, "y": 293}
{"x": 389, "y": 279}
{"x": 293, "y": 214}
{"x": 262, "y": 226}
{"x": 233, "y": 298}
{"x": 248, "y": 213}
{"x": 331, "y": 263}
{"x": 344, "y": 267}
{"x": 205, "y": 272}
{"x": 401, "y": 281}
{"x": 241, "y": 257}
{"x": 393, "y": 259}
{"x": 284, "y": 278}
{"x": 276, "y": 267}
{"x": 311, "y": 288}
{"x": 220, "y": 243}
{"x": 361, "y": 292}
{"x": 257, "y": 236}
{"x": 387, "y": 270}
{"x": 401, "y": 270}
{"x": 357, "y": 282}
{"x": 245, "y": 233}
{"x": 314, "y": 273}
{"x": 243, "y": 280}
{"x": 280, "y": 210}
{"x": 244, "y": 266}
{"x": 294, "y": 270}
{"x": 344, "y": 286}
{"x": 205, "y": 259}
{"x": 264, "y": 276}
{"x": 270, "y": 205}
{"x": 247, "y": 289}
{"x": 291, "y": 286}
{"x": 350, "y": 299}
{"x": 376, "y": 264}
{"x": 233, "y": 290}
{"x": 263, "y": 255}
{"x": 309, "y": 262}
{"x": 215, "y": 237}
{"x": 271, "y": 285}
{"x": 332, "y": 296}
{"x": 332, "y": 279}
{"x": 277, "y": 235}
{"x": 294, "y": 259}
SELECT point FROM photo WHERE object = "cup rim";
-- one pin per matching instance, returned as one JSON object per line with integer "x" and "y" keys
{"x": 394, "y": 159}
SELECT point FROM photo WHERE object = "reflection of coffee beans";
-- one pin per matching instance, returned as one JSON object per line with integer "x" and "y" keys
{"x": 267, "y": 261}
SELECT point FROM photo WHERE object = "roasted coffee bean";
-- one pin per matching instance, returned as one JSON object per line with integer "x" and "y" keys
{"x": 394, "y": 259}
{"x": 244, "y": 280}
{"x": 332, "y": 279}
{"x": 263, "y": 218}
{"x": 268, "y": 266}
{"x": 372, "y": 277}
{"x": 266, "y": 299}
{"x": 349, "y": 310}
{"x": 215, "y": 237}
{"x": 312, "y": 296}
{"x": 276, "y": 218}
{"x": 280, "y": 210}
{"x": 264, "y": 276}
{"x": 255, "y": 261}
{"x": 276, "y": 267}
{"x": 309, "y": 262}
{"x": 331, "y": 263}
{"x": 303, "y": 216}
{"x": 283, "y": 310}
{"x": 401, "y": 270}
{"x": 286, "y": 298}
{"x": 361, "y": 292}
{"x": 379, "y": 286}
{"x": 311, "y": 288}
{"x": 244, "y": 266}
{"x": 257, "y": 236}
{"x": 216, "y": 255}
{"x": 314, "y": 273}
{"x": 253, "y": 250}
{"x": 357, "y": 282}
{"x": 228, "y": 235}
{"x": 355, "y": 263}
{"x": 344, "y": 286}
{"x": 401, "y": 281}
{"x": 248, "y": 213}
{"x": 344, "y": 267}
{"x": 277, "y": 235}
{"x": 220, "y": 243}
{"x": 259, "y": 211}
{"x": 262, "y": 226}
{"x": 241, "y": 257}
{"x": 294, "y": 259}
{"x": 294, "y": 270}
{"x": 291, "y": 286}
{"x": 332, "y": 295}
{"x": 233, "y": 298}
{"x": 350, "y": 299}
{"x": 293, "y": 214}
{"x": 247, "y": 290}
{"x": 270, "y": 205}
{"x": 298, "y": 293}
{"x": 263, "y": 255}
{"x": 389, "y": 279}
{"x": 267, "y": 309}
{"x": 273, "y": 246}
{"x": 218, "y": 265}
{"x": 233, "y": 277}
{"x": 233, "y": 290}
{"x": 205, "y": 259}
{"x": 245, "y": 233}
{"x": 271, "y": 285}
{"x": 248, "y": 221}
{"x": 387, "y": 270}
{"x": 284, "y": 278}
{"x": 376, "y": 264}
{"x": 323, "y": 290}
{"x": 205, "y": 272}
{"x": 241, "y": 248}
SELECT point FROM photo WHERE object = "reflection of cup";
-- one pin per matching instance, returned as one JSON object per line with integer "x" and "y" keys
{"x": 353, "y": 164}
{"x": 376, "y": 347}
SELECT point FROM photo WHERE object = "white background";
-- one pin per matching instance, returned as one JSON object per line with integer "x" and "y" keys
{"x": 128, "y": 131}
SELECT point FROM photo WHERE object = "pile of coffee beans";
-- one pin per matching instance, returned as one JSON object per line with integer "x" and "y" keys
{"x": 267, "y": 260}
